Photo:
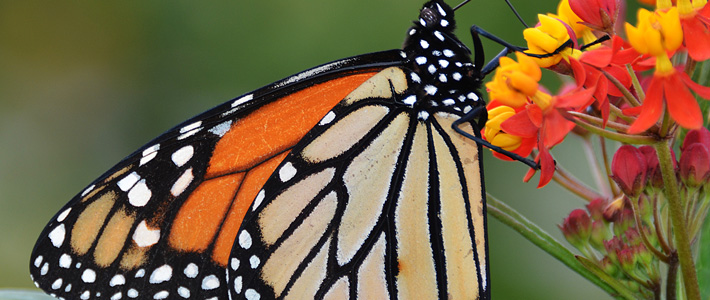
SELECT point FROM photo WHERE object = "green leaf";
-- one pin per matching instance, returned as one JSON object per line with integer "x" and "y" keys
{"x": 703, "y": 265}
{"x": 8, "y": 294}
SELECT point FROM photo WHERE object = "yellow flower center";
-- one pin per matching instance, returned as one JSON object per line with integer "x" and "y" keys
{"x": 656, "y": 32}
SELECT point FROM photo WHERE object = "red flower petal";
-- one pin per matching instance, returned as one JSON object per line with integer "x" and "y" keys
{"x": 547, "y": 167}
{"x": 697, "y": 37}
{"x": 520, "y": 125}
{"x": 576, "y": 99}
{"x": 681, "y": 104}
{"x": 702, "y": 91}
{"x": 535, "y": 114}
{"x": 652, "y": 107}
{"x": 599, "y": 57}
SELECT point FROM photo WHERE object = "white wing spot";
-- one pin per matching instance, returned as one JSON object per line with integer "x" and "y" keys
{"x": 191, "y": 270}
{"x": 234, "y": 263}
{"x": 442, "y": 78}
{"x": 415, "y": 77}
{"x": 424, "y": 44}
{"x": 132, "y": 293}
{"x": 287, "y": 172}
{"x": 67, "y": 288}
{"x": 430, "y": 89}
{"x": 63, "y": 215}
{"x": 210, "y": 282}
{"x": 88, "y": 276}
{"x": 117, "y": 280}
{"x": 251, "y": 294}
{"x": 65, "y": 261}
{"x": 244, "y": 239}
{"x": 127, "y": 182}
{"x": 448, "y": 53}
{"x": 57, "y": 284}
{"x": 182, "y": 183}
{"x": 257, "y": 201}
{"x": 413, "y": 31}
{"x": 472, "y": 96}
{"x": 184, "y": 292}
{"x": 140, "y": 272}
{"x": 148, "y": 158}
{"x": 38, "y": 261}
{"x": 139, "y": 195}
{"x": 439, "y": 35}
{"x": 238, "y": 284}
{"x": 117, "y": 296}
{"x": 443, "y": 63}
{"x": 329, "y": 117}
{"x": 254, "y": 261}
{"x": 442, "y": 12}
{"x": 457, "y": 76}
{"x": 467, "y": 109}
{"x": 56, "y": 236}
{"x": 191, "y": 127}
{"x": 436, "y": 53}
{"x": 188, "y": 134}
{"x": 161, "y": 295}
{"x": 410, "y": 100}
{"x": 183, "y": 155}
{"x": 444, "y": 23}
{"x": 87, "y": 190}
{"x": 85, "y": 295}
{"x": 221, "y": 128}
{"x": 421, "y": 21}
{"x": 431, "y": 69}
{"x": 144, "y": 237}
{"x": 242, "y": 100}
{"x": 44, "y": 270}
{"x": 448, "y": 102}
{"x": 161, "y": 274}
{"x": 420, "y": 60}
{"x": 423, "y": 115}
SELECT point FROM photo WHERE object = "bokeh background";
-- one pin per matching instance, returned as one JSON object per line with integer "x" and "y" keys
{"x": 82, "y": 84}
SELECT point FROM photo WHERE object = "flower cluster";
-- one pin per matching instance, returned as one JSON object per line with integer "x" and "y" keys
{"x": 640, "y": 86}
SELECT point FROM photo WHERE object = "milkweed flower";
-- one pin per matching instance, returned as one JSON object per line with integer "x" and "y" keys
{"x": 598, "y": 14}
{"x": 538, "y": 115}
{"x": 657, "y": 34}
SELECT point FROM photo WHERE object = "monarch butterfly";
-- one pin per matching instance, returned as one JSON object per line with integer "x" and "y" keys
{"x": 343, "y": 181}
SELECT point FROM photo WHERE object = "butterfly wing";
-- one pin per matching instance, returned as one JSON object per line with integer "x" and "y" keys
{"x": 161, "y": 223}
{"x": 382, "y": 199}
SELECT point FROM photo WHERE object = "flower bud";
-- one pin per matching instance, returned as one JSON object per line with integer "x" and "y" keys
{"x": 596, "y": 208}
{"x": 624, "y": 221}
{"x": 611, "y": 212}
{"x": 577, "y": 227}
{"x": 608, "y": 266}
{"x": 612, "y": 247}
{"x": 600, "y": 233}
{"x": 701, "y": 136}
{"x": 598, "y": 14}
{"x": 695, "y": 165}
{"x": 632, "y": 236}
{"x": 627, "y": 259}
{"x": 628, "y": 170}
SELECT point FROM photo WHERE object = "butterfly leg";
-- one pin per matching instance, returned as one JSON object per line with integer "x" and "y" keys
{"x": 481, "y": 114}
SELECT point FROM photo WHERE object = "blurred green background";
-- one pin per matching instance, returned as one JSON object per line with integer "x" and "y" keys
{"x": 82, "y": 84}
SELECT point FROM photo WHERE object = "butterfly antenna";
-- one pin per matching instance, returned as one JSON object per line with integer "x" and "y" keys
{"x": 462, "y": 4}
{"x": 516, "y": 13}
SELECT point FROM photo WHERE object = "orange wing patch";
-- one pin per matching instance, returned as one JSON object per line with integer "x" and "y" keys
{"x": 244, "y": 159}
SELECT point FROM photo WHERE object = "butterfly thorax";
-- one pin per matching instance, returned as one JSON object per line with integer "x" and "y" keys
{"x": 441, "y": 65}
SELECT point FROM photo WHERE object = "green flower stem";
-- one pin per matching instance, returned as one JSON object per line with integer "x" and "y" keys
{"x": 635, "y": 82}
{"x": 599, "y": 122}
{"x": 680, "y": 232}
{"x": 594, "y": 167}
{"x": 659, "y": 230}
{"x": 619, "y": 137}
{"x": 542, "y": 239}
{"x": 637, "y": 217}
{"x": 572, "y": 184}
{"x": 627, "y": 94}
{"x": 607, "y": 167}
